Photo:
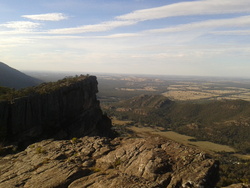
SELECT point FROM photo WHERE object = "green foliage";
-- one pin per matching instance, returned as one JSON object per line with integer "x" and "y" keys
{"x": 95, "y": 169}
{"x": 40, "y": 150}
{"x": 74, "y": 140}
{"x": 5, "y": 93}
{"x": 233, "y": 170}
{"x": 117, "y": 163}
{"x": 224, "y": 122}
{"x": 4, "y": 90}
{"x": 32, "y": 146}
{"x": 44, "y": 88}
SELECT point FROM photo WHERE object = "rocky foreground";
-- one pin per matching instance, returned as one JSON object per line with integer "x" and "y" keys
{"x": 103, "y": 162}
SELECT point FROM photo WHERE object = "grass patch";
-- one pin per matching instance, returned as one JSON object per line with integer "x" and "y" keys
{"x": 187, "y": 140}
{"x": 74, "y": 140}
{"x": 95, "y": 169}
{"x": 40, "y": 150}
{"x": 117, "y": 163}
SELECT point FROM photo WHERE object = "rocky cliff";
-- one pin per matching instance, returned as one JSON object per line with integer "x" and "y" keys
{"x": 69, "y": 109}
{"x": 60, "y": 110}
{"x": 150, "y": 162}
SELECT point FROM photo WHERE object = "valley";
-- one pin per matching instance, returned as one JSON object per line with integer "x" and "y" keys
{"x": 180, "y": 88}
{"x": 211, "y": 114}
{"x": 206, "y": 114}
{"x": 208, "y": 91}
{"x": 183, "y": 139}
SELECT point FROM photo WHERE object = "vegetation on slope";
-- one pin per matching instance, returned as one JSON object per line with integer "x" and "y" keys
{"x": 7, "y": 94}
{"x": 10, "y": 95}
{"x": 224, "y": 122}
{"x": 233, "y": 170}
{"x": 3, "y": 92}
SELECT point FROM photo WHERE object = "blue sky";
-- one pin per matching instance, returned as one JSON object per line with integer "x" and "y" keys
{"x": 167, "y": 37}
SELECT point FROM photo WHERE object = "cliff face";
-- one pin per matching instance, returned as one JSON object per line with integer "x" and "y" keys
{"x": 71, "y": 110}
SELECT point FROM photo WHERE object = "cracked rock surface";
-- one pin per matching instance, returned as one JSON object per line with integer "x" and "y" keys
{"x": 102, "y": 162}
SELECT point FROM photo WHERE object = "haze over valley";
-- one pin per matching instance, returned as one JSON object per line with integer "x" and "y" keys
{"x": 136, "y": 93}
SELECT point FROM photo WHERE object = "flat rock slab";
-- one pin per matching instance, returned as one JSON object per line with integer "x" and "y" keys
{"x": 102, "y": 162}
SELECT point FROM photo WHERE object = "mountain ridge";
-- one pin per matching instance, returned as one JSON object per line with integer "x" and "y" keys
{"x": 13, "y": 78}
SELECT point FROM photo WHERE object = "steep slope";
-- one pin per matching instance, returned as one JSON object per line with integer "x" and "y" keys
{"x": 64, "y": 109}
{"x": 13, "y": 78}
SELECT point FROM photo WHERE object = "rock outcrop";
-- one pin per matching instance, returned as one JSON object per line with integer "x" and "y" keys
{"x": 69, "y": 110}
{"x": 151, "y": 162}
{"x": 239, "y": 185}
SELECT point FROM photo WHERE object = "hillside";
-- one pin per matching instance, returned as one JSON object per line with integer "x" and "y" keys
{"x": 225, "y": 121}
{"x": 68, "y": 112}
{"x": 12, "y": 78}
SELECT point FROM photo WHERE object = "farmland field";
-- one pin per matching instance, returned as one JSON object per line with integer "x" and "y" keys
{"x": 203, "y": 145}
{"x": 192, "y": 91}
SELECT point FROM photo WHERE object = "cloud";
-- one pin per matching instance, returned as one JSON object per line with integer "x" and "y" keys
{"x": 234, "y": 32}
{"x": 242, "y": 21}
{"x": 104, "y": 26}
{"x": 47, "y": 17}
{"x": 120, "y": 35}
{"x": 21, "y": 25}
{"x": 204, "y": 7}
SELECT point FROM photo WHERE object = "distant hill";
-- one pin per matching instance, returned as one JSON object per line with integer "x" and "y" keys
{"x": 222, "y": 121}
{"x": 12, "y": 78}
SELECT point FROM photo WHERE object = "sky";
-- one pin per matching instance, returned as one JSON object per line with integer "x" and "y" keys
{"x": 160, "y": 37}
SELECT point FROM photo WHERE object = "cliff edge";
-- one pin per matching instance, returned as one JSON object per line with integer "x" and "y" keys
{"x": 65, "y": 109}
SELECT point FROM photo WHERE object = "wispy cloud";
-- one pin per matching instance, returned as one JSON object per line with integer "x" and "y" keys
{"x": 189, "y": 8}
{"x": 104, "y": 26}
{"x": 21, "y": 25}
{"x": 47, "y": 17}
{"x": 242, "y": 21}
{"x": 120, "y": 35}
{"x": 234, "y": 32}
{"x": 204, "y": 7}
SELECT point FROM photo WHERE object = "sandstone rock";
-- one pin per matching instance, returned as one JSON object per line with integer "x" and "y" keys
{"x": 102, "y": 162}
{"x": 71, "y": 110}
{"x": 240, "y": 185}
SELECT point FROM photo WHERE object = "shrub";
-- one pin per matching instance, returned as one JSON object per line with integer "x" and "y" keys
{"x": 39, "y": 149}
{"x": 74, "y": 140}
